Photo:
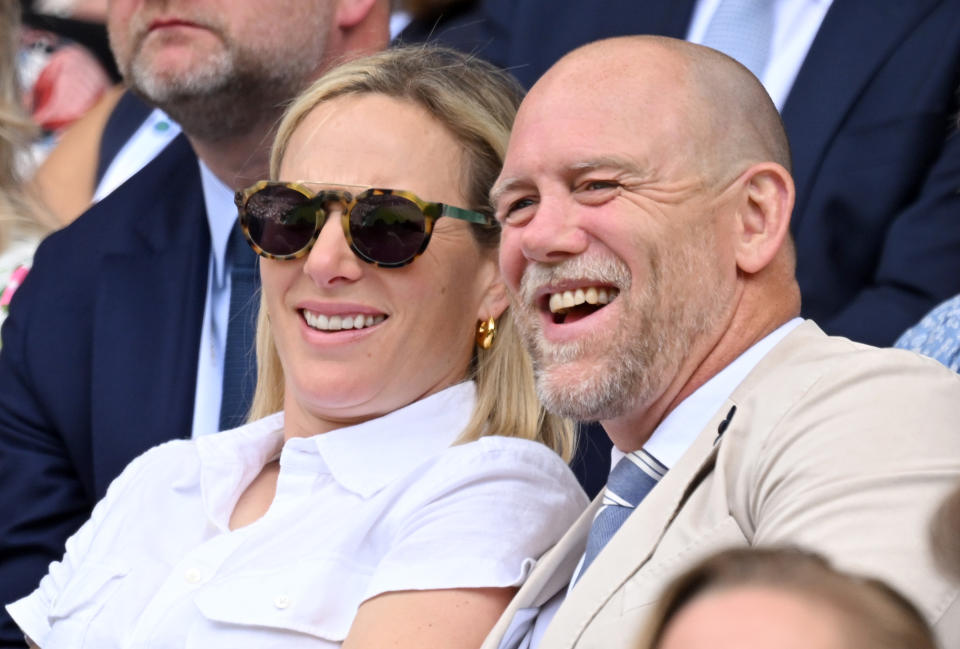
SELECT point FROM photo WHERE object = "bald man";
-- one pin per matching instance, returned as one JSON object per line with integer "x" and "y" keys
{"x": 645, "y": 202}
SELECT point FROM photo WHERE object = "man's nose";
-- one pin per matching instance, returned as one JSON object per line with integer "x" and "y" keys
{"x": 554, "y": 232}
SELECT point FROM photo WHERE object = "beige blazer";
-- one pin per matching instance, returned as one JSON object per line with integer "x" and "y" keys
{"x": 835, "y": 446}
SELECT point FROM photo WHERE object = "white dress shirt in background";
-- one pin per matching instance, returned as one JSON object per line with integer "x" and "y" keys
{"x": 796, "y": 23}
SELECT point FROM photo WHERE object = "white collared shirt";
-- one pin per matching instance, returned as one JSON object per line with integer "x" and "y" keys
{"x": 221, "y": 217}
{"x": 796, "y": 23}
{"x": 671, "y": 439}
{"x": 382, "y": 506}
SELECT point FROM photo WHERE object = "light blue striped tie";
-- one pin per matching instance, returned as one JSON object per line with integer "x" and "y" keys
{"x": 743, "y": 30}
{"x": 630, "y": 481}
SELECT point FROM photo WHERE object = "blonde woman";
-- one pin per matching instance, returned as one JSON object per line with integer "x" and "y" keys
{"x": 411, "y": 479}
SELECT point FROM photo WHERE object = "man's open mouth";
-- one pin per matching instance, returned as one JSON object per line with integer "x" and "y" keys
{"x": 572, "y": 305}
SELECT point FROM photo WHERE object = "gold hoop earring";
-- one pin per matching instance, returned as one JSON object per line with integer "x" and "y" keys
{"x": 486, "y": 332}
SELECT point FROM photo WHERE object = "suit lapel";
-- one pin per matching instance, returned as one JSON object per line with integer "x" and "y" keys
{"x": 854, "y": 40}
{"x": 635, "y": 542}
{"x": 148, "y": 312}
{"x": 551, "y": 574}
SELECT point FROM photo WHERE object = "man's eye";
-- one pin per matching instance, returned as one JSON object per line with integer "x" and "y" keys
{"x": 520, "y": 204}
{"x": 509, "y": 212}
{"x": 595, "y": 185}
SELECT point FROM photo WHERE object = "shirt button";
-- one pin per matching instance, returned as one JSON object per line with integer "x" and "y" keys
{"x": 281, "y": 601}
{"x": 192, "y": 576}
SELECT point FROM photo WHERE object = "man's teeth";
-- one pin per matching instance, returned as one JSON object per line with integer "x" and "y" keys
{"x": 561, "y": 302}
{"x": 339, "y": 322}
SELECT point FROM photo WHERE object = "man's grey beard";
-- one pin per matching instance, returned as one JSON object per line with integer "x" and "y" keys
{"x": 605, "y": 378}
{"x": 228, "y": 95}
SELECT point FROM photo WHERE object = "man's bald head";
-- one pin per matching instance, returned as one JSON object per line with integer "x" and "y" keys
{"x": 725, "y": 111}
{"x": 656, "y": 172}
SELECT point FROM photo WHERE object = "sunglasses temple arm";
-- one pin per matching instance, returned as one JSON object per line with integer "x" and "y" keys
{"x": 466, "y": 215}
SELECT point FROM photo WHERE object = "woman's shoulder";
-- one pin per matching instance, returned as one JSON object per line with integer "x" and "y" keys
{"x": 163, "y": 463}
{"x": 522, "y": 464}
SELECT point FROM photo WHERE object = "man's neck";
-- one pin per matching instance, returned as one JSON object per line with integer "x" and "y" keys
{"x": 237, "y": 161}
{"x": 745, "y": 328}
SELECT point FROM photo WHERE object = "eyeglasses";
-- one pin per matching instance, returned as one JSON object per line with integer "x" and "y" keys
{"x": 384, "y": 227}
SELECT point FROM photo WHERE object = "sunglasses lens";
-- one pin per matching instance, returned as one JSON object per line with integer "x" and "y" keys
{"x": 387, "y": 229}
{"x": 281, "y": 220}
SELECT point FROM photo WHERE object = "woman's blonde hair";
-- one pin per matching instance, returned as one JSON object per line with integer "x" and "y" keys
{"x": 17, "y": 208}
{"x": 476, "y": 102}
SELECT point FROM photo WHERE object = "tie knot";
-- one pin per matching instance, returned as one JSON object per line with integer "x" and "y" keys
{"x": 632, "y": 478}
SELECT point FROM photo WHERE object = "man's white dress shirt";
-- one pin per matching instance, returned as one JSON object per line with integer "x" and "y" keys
{"x": 385, "y": 505}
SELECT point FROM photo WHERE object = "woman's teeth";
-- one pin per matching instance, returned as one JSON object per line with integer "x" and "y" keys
{"x": 561, "y": 302}
{"x": 340, "y": 322}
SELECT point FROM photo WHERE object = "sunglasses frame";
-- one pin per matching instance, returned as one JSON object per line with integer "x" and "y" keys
{"x": 348, "y": 200}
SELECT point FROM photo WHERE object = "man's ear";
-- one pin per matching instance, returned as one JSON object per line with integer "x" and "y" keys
{"x": 764, "y": 215}
{"x": 351, "y": 13}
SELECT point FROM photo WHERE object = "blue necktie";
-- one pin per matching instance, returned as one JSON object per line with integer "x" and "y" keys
{"x": 240, "y": 361}
{"x": 630, "y": 481}
{"x": 743, "y": 30}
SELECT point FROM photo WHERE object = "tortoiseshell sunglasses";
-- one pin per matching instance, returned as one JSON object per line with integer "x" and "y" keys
{"x": 385, "y": 227}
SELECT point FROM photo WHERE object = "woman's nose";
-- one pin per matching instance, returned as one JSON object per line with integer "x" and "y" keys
{"x": 331, "y": 261}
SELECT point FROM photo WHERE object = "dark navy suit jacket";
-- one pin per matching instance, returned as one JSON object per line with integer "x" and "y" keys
{"x": 99, "y": 359}
{"x": 871, "y": 123}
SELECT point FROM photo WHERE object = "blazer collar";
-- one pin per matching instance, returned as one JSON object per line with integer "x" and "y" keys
{"x": 147, "y": 312}
{"x": 167, "y": 193}
{"x": 636, "y": 541}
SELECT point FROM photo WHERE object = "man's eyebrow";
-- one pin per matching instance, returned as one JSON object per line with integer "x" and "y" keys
{"x": 608, "y": 162}
{"x": 504, "y": 186}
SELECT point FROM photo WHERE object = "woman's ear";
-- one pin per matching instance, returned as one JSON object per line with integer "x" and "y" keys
{"x": 494, "y": 297}
{"x": 495, "y": 301}
{"x": 764, "y": 215}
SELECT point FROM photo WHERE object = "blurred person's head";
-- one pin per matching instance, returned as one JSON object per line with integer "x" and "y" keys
{"x": 342, "y": 340}
{"x": 645, "y": 202}
{"x": 770, "y": 598}
{"x": 223, "y": 67}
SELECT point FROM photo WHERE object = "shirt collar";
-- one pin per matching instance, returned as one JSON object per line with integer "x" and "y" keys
{"x": 367, "y": 457}
{"x": 680, "y": 427}
{"x": 363, "y": 458}
{"x": 229, "y": 461}
{"x": 221, "y": 215}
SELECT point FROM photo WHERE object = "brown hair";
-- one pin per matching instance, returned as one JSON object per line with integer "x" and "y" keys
{"x": 873, "y": 615}
{"x": 476, "y": 102}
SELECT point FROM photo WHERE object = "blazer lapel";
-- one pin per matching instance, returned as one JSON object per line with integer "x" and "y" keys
{"x": 635, "y": 542}
{"x": 854, "y": 40}
{"x": 148, "y": 312}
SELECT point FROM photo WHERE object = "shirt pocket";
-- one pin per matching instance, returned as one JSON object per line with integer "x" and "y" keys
{"x": 79, "y": 603}
{"x": 307, "y": 601}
